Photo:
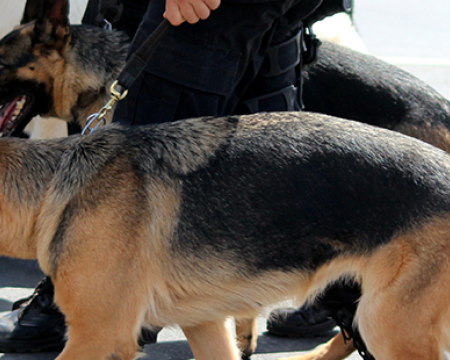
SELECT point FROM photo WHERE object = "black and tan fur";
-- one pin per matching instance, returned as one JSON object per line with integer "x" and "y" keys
{"x": 203, "y": 219}
{"x": 66, "y": 71}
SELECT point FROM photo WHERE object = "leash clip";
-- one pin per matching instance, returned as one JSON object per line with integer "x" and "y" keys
{"x": 107, "y": 25}
{"x": 99, "y": 118}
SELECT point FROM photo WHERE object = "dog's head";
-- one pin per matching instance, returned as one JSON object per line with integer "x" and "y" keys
{"x": 50, "y": 68}
{"x": 29, "y": 60}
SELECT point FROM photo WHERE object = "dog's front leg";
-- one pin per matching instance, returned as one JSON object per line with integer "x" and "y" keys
{"x": 212, "y": 341}
{"x": 247, "y": 335}
{"x": 99, "y": 332}
{"x": 103, "y": 312}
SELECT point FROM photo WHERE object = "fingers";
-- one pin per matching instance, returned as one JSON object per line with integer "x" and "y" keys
{"x": 179, "y": 11}
{"x": 173, "y": 13}
{"x": 211, "y": 4}
{"x": 201, "y": 11}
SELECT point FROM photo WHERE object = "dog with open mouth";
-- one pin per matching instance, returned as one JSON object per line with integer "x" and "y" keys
{"x": 10, "y": 114}
{"x": 11, "y": 12}
{"x": 64, "y": 74}
{"x": 17, "y": 111}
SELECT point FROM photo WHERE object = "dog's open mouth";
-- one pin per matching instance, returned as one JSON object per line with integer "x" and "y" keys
{"x": 14, "y": 115}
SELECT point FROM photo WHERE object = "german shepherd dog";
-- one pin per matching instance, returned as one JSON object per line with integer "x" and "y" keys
{"x": 203, "y": 219}
{"x": 57, "y": 69}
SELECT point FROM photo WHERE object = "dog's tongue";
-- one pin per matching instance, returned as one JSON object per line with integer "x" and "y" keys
{"x": 7, "y": 112}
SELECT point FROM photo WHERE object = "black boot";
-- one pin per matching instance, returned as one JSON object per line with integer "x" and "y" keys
{"x": 36, "y": 324}
{"x": 304, "y": 322}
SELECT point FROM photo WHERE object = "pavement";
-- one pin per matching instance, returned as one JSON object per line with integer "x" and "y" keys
{"x": 412, "y": 34}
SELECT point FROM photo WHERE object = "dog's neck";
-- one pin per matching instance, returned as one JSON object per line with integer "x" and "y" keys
{"x": 90, "y": 102}
{"x": 88, "y": 69}
{"x": 104, "y": 53}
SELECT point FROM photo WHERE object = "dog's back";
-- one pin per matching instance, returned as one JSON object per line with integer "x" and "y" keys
{"x": 290, "y": 179}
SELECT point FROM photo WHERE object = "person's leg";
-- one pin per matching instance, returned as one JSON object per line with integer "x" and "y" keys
{"x": 206, "y": 69}
{"x": 90, "y": 15}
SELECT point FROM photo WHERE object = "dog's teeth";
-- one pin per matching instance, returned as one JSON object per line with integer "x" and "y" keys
{"x": 21, "y": 103}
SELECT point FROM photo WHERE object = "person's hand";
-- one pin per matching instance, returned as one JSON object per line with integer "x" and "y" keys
{"x": 179, "y": 11}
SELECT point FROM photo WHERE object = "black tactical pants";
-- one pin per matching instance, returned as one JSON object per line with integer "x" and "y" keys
{"x": 214, "y": 67}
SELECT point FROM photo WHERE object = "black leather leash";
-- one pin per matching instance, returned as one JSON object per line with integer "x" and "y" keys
{"x": 138, "y": 61}
{"x": 131, "y": 71}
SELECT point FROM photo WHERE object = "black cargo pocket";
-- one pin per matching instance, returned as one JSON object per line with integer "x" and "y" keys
{"x": 187, "y": 62}
{"x": 152, "y": 100}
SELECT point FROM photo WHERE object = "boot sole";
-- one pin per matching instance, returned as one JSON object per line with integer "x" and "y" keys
{"x": 32, "y": 346}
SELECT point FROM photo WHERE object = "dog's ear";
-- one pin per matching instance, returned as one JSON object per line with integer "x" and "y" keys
{"x": 51, "y": 19}
{"x": 33, "y": 8}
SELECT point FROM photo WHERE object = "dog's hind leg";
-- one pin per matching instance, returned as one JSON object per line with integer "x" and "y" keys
{"x": 335, "y": 349}
{"x": 212, "y": 341}
{"x": 247, "y": 335}
{"x": 401, "y": 333}
{"x": 404, "y": 303}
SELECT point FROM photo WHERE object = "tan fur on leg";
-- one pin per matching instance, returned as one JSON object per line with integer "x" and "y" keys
{"x": 103, "y": 312}
{"x": 100, "y": 325}
{"x": 247, "y": 335}
{"x": 403, "y": 311}
{"x": 212, "y": 341}
{"x": 334, "y": 349}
